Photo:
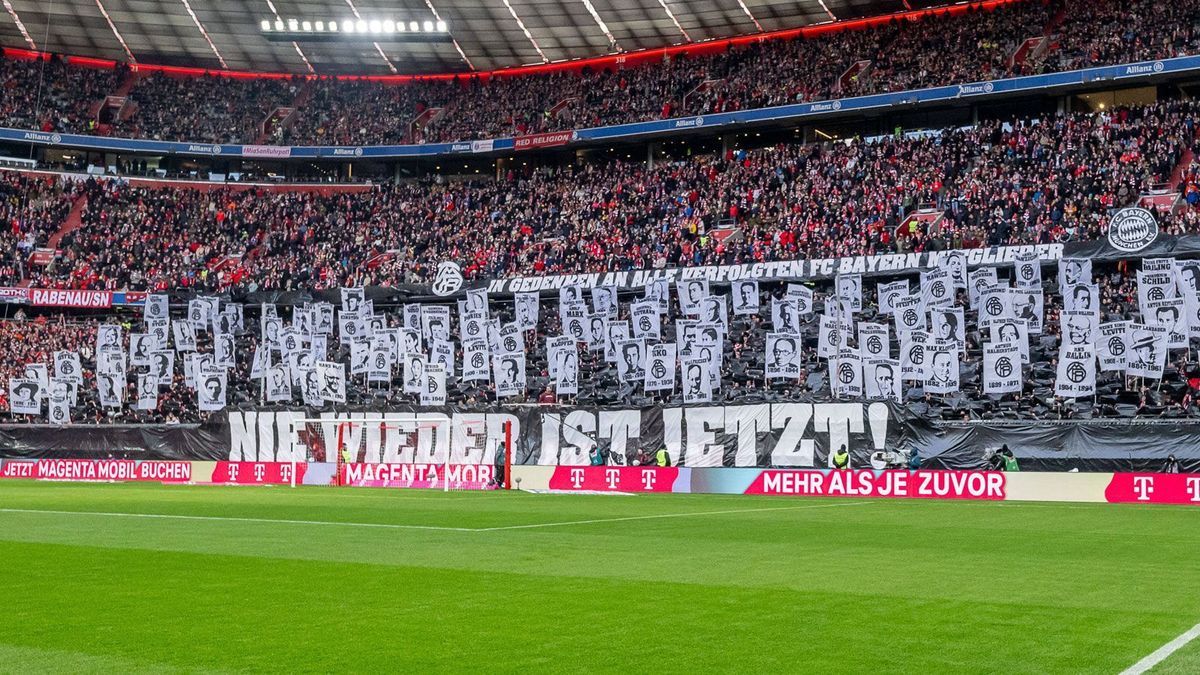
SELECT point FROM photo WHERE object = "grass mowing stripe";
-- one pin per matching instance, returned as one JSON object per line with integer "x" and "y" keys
{"x": 666, "y": 515}
{"x": 1159, "y": 655}
{"x": 396, "y": 526}
{"x": 166, "y": 516}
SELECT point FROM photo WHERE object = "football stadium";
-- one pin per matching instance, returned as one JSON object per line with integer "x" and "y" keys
{"x": 830, "y": 336}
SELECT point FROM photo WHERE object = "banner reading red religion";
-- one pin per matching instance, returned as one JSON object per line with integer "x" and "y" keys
{"x": 534, "y": 141}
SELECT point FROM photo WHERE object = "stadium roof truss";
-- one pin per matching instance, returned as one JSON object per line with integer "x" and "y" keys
{"x": 487, "y": 34}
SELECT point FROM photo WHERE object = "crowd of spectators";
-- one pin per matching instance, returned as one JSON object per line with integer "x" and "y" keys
{"x": 1038, "y": 180}
{"x": 48, "y": 95}
{"x": 30, "y": 341}
{"x": 937, "y": 49}
{"x": 31, "y": 209}
{"x": 1112, "y": 31}
{"x": 209, "y": 108}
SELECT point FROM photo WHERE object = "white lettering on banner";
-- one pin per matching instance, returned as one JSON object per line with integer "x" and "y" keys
{"x": 275, "y": 151}
{"x": 1193, "y": 487}
{"x": 425, "y": 475}
{"x": 56, "y": 298}
{"x": 918, "y": 484}
{"x": 38, "y": 137}
{"x": 825, "y": 106}
{"x": 979, "y": 88}
{"x": 780, "y": 434}
{"x": 98, "y": 470}
{"x": 795, "y": 270}
{"x": 1145, "y": 68}
{"x": 425, "y": 437}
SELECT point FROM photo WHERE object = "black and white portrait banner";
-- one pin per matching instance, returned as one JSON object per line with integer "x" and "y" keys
{"x": 1001, "y": 368}
{"x": 660, "y": 368}
{"x": 942, "y": 377}
{"x": 745, "y": 298}
{"x": 881, "y": 379}
{"x": 847, "y": 374}
{"x": 1076, "y": 376}
{"x": 1147, "y": 350}
{"x": 783, "y": 356}
{"x": 888, "y": 293}
{"x": 1027, "y": 271}
{"x": 874, "y": 341}
{"x": 1112, "y": 346}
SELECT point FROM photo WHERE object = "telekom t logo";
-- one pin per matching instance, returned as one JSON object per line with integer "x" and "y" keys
{"x": 576, "y": 478}
{"x": 1193, "y": 487}
{"x": 649, "y": 478}
{"x": 233, "y": 472}
{"x": 612, "y": 477}
{"x": 259, "y": 472}
{"x": 1144, "y": 487}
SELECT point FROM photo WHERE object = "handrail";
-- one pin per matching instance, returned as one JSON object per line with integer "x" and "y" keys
{"x": 795, "y": 112}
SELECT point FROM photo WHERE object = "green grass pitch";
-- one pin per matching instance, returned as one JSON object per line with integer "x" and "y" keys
{"x": 276, "y": 579}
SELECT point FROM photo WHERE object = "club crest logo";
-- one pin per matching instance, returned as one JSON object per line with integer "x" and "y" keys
{"x": 658, "y": 370}
{"x": 874, "y": 344}
{"x": 449, "y": 279}
{"x": 846, "y": 373}
{"x": 1132, "y": 229}
{"x": 1076, "y": 372}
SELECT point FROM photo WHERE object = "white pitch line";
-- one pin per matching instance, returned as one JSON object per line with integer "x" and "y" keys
{"x": 391, "y": 526}
{"x": 233, "y": 519}
{"x": 1159, "y": 655}
{"x": 666, "y": 515}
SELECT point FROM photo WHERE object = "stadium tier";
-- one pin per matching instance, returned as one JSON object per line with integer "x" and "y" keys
{"x": 905, "y": 341}
{"x": 1026, "y": 37}
{"x": 1046, "y": 179}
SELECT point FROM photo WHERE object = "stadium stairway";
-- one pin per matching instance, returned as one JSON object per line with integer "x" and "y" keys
{"x": 926, "y": 217}
{"x": 285, "y": 115}
{"x": 1050, "y": 43}
{"x": 1185, "y": 161}
{"x": 117, "y": 97}
{"x": 72, "y": 222}
{"x": 1168, "y": 196}
{"x": 428, "y": 116}
{"x": 852, "y": 73}
{"x": 698, "y": 89}
{"x": 1033, "y": 45}
{"x": 558, "y": 107}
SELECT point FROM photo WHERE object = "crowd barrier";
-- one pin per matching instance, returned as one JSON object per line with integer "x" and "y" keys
{"x": 1113, "y": 488}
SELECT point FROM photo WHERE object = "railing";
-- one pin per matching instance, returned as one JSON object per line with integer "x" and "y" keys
{"x": 1104, "y": 76}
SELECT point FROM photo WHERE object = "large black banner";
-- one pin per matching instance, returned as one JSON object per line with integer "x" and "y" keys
{"x": 755, "y": 435}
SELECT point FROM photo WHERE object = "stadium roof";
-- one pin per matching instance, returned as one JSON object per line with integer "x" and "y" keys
{"x": 488, "y": 34}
